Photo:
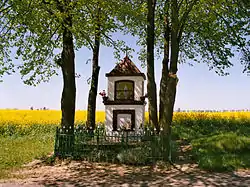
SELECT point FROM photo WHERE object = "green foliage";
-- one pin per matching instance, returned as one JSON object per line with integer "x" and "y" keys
{"x": 32, "y": 37}
{"x": 140, "y": 155}
{"x": 214, "y": 33}
{"x": 32, "y": 32}
{"x": 208, "y": 31}
{"x": 136, "y": 156}
{"x": 31, "y": 130}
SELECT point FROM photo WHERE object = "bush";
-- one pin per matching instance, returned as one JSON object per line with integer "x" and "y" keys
{"x": 136, "y": 156}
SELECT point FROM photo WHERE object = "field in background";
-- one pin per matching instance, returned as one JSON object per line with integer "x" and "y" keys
{"x": 24, "y": 118}
{"x": 218, "y": 140}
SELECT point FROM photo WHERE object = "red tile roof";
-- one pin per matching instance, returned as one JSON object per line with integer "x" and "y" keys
{"x": 126, "y": 68}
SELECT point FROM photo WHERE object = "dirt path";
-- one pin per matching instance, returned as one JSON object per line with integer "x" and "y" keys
{"x": 94, "y": 174}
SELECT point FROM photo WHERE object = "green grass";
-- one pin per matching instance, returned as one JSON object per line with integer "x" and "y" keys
{"x": 218, "y": 144}
{"x": 222, "y": 152}
{"x": 190, "y": 129}
{"x": 18, "y": 150}
{"x": 31, "y": 130}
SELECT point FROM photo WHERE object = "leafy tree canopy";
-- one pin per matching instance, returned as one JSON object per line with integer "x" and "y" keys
{"x": 32, "y": 31}
{"x": 208, "y": 31}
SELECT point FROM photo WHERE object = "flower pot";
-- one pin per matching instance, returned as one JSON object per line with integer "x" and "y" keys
{"x": 142, "y": 98}
{"x": 105, "y": 98}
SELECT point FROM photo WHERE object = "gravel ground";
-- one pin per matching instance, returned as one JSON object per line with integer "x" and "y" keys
{"x": 102, "y": 174}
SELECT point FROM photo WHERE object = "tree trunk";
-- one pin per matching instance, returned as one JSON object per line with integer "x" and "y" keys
{"x": 165, "y": 68}
{"x": 163, "y": 89}
{"x": 171, "y": 82}
{"x": 151, "y": 86}
{"x": 69, "y": 87}
{"x": 91, "y": 113}
{"x": 68, "y": 71}
{"x": 167, "y": 114}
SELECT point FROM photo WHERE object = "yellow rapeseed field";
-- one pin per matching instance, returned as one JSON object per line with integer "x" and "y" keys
{"x": 240, "y": 115}
{"x": 47, "y": 117}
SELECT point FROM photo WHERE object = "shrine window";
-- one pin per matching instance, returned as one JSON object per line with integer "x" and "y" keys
{"x": 124, "y": 90}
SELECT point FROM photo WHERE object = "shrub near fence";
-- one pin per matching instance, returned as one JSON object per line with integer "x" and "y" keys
{"x": 127, "y": 147}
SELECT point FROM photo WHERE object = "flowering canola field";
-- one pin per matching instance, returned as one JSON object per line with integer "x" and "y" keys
{"x": 26, "y": 118}
{"x": 44, "y": 117}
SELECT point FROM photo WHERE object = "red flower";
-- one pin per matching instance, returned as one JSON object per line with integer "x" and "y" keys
{"x": 103, "y": 93}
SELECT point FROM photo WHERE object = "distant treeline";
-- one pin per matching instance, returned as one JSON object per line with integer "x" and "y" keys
{"x": 242, "y": 110}
{"x": 44, "y": 108}
{"x": 178, "y": 110}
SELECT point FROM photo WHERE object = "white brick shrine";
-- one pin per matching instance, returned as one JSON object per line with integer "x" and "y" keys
{"x": 125, "y": 101}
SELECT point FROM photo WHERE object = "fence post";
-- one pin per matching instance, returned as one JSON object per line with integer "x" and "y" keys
{"x": 56, "y": 143}
{"x": 66, "y": 141}
{"x": 122, "y": 137}
{"x": 98, "y": 138}
{"x": 153, "y": 148}
{"x": 126, "y": 137}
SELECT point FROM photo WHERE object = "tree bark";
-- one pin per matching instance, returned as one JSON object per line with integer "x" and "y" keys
{"x": 91, "y": 113}
{"x": 168, "y": 97}
{"x": 69, "y": 86}
{"x": 165, "y": 63}
{"x": 151, "y": 86}
{"x": 167, "y": 115}
{"x": 68, "y": 70}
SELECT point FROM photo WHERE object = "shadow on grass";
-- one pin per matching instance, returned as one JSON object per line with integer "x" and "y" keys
{"x": 217, "y": 144}
{"x": 218, "y": 152}
{"x": 222, "y": 152}
{"x": 193, "y": 128}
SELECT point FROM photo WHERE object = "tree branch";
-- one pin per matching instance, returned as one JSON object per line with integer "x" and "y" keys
{"x": 86, "y": 36}
{"x": 167, "y": 31}
{"x": 2, "y": 11}
{"x": 3, "y": 5}
{"x": 229, "y": 27}
{"x": 48, "y": 10}
{"x": 5, "y": 26}
{"x": 179, "y": 5}
{"x": 109, "y": 39}
{"x": 183, "y": 20}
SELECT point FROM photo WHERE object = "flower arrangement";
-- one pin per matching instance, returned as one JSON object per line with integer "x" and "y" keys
{"x": 103, "y": 93}
{"x": 104, "y": 96}
{"x": 144, "y": 97}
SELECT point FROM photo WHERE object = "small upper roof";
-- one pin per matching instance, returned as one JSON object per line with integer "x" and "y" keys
{"x": 125, "y": 68}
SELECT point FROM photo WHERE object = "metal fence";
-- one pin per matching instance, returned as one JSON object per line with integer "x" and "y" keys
{"x": 97, "y": 145}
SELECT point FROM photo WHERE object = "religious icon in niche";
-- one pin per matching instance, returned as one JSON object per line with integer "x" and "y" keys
{"x": 126, "y": 94}
{"x": 124, "y": 121}
{"x": 124, "y": 90}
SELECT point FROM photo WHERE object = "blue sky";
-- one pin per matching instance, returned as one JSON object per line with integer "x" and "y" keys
{"x": 198, "y": 88}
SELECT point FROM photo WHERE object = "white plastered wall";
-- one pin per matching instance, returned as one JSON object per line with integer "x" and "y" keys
{"x": 139, "y": 115}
